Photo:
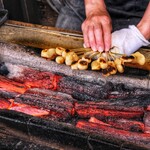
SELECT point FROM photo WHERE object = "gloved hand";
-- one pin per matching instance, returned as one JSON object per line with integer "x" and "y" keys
{"x": 128, "y": 40}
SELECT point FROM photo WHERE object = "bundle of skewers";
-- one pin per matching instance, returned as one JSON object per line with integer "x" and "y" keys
{"x": 84, "y": 58}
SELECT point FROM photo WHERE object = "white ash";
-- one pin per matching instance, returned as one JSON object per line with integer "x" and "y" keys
{"x": 14, "y": 70}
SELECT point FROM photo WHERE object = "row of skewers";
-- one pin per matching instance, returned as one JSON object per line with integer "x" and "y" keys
{"x": 83, "y": 59}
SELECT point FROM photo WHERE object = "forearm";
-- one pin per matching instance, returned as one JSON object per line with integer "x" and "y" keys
{"x": 144, "y": 24}
{"x": 94, "y": 6}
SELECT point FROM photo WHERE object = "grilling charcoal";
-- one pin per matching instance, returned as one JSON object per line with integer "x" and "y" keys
{"x": 123, "y": 124}
{"x": 114, "y": 104}
{"x": 47, "y": 80}
{"x": 59, "y": 106}
{"x": 27, "y": 109}
{"x": 126, "y": 124}
{"x": 140, "y": 139}
{"x": 89, "y": 89}
{"x": 63, "y": 133}
{"x": 101, "y": 113}
{"x": 7, "y": 94}
{"x": 147, "y": 122}
{"x": 4, "y": 104}
{"x": 12, "y": 86}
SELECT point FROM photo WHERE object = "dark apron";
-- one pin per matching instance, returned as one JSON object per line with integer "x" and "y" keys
{"x": 122, "y": 12}
{"x": 3, "y": 16}
{"x": 3, "y": 13}
{"x": 126, "y": 12}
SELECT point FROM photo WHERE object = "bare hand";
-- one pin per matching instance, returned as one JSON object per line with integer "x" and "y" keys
{"x": 97, "y": 30}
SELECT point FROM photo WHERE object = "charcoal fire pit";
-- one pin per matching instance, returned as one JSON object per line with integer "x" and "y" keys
{"x": 44, "y": 105}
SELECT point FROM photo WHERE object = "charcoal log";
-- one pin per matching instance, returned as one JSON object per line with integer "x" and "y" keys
{"x": 132, "y": 100}
{"x": 7, "y": 94}
{"x": 12, "y": 86}
{"x": 50, "y": 93}
{"x": 123, "y": 124}
{"x": 4, "y": 104}
{"x": 27, "y": 109}
{"x": 140, "y": 139}
{"x": 37, "y": 79}
{"x": 106, "y": 105}
{"x": 92, "y": 90}
{"x": 101, "y": 113}
{"x": 130, "y": 103}
{"x": 126, "y": 124}
{"x": 82, "y": 97}
{"x": 118, "y": 93}
{"x": 147, "y": 122}
{"x": 51, "y": 103}
{"x": 46, "y": 80}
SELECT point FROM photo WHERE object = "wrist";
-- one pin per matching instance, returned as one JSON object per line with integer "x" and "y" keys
{"x": 94, "y": 7}
{"x": 144, "y": 28}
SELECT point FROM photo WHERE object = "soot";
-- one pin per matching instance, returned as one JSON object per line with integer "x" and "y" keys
{"x": 3, "y": 69}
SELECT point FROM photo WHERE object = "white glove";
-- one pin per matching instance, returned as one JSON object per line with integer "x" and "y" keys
{"x": 128, "y": 40}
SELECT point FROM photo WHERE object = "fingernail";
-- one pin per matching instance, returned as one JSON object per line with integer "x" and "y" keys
{"x": 84, "y": 45}
{"x": 94, "y": 49}
{"x": 106, "y": 49}
{"x": 100, "y": 49}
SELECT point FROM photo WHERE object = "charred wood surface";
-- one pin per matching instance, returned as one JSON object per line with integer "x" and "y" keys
{"x": 12, "y": 86}
{"x": 123, "y": 124}
{"x": 49, "y": 103}
{"x": 63, "y": 133}
{"x": 100, "y": 113}
{"x": 7, "y": 94}
{"x": 116, "y": 134}
{"x": 147, "y": 122}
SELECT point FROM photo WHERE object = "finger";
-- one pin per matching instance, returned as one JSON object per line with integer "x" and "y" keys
{"x": 91, "y": 37}
{"x": 99, "y": 38}
{"x": 107, "y": 36}
{"x": 85, "y": 35}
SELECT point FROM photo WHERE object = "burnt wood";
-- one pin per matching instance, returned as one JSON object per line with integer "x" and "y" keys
{"x": 63, "y": 133}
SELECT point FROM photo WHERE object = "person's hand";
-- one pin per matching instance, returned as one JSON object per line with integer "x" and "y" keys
{"x": 128, "y": 40}
{"x": 97, "y": 28}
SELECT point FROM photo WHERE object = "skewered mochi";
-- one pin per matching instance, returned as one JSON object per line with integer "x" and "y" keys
{"x": 95, "y": 65}
{"x": 49, "y": 53}
{"x": 82, "y": 64}
{"x": 82, "y": 59}
{"x": 59, "y": 50}
{"x": 60, "y": 59}
{"x": 138, "y": 58}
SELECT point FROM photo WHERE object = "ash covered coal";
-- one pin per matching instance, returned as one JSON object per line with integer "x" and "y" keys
{"x": 83, "y": 90}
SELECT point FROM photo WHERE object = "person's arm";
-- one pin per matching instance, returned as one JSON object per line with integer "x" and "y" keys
{"x": 97, "y": 26}
{"x": 144, "y": 24}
